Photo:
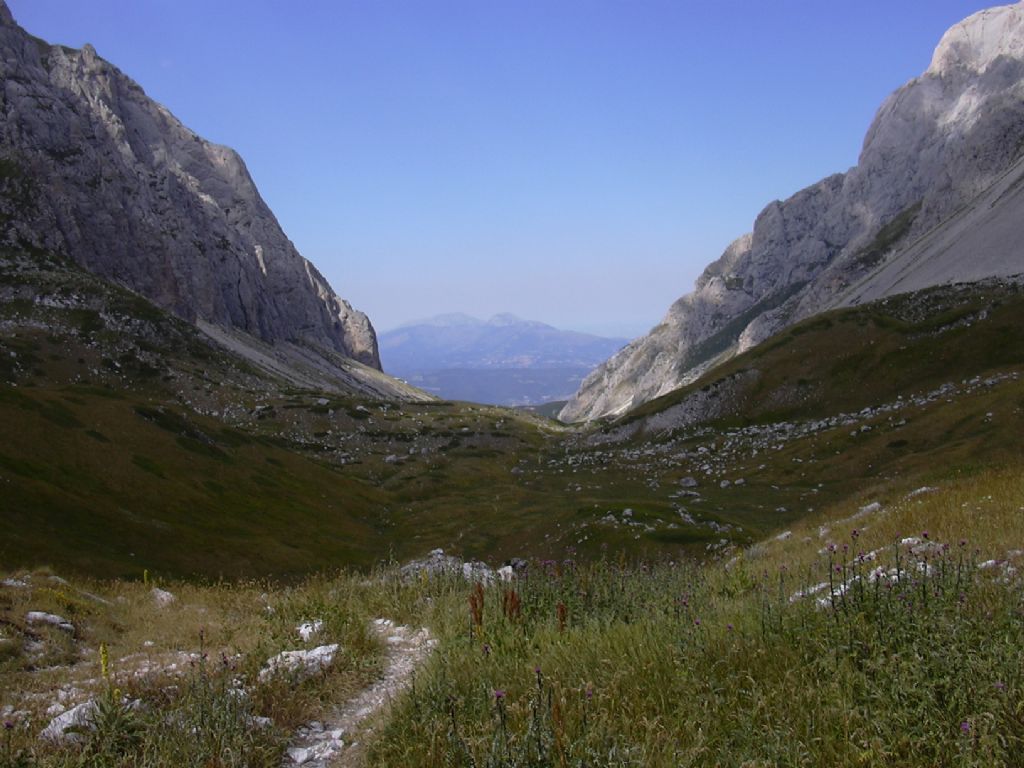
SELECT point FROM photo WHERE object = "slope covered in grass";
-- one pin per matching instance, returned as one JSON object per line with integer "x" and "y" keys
{"x": 882, "y": 634}
{"x": 890, "y": 636}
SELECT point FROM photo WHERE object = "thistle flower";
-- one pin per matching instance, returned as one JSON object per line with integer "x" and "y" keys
{"x": 499, "y": 694}
{"x": 965, "y": 727}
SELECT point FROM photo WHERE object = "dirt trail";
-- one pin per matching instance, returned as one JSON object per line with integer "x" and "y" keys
{"x": 323, "y": 744}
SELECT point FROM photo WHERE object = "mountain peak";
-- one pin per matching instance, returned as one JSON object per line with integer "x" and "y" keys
{"x": 505, "y": 318}
{"x": 980, "y": 40}
{"x": 156, "y": 207}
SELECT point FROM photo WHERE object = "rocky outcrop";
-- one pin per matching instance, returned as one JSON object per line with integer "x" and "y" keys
{"x": 93, "y": 169}
{"x": 936, "y": 197}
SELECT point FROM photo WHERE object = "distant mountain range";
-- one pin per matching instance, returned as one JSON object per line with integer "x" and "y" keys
{"x": 504, "y": 360}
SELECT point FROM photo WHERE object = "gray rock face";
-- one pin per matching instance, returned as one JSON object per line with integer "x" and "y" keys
{"x": 935, "y": 198}
{"x": 93, "y": 169}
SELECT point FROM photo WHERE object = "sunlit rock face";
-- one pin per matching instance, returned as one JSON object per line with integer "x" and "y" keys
{"x": 111, "y": 179}
{"x": 933, "y": 199}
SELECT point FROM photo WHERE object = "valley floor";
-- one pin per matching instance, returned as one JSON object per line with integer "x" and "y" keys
{"x": 887, "y": 633}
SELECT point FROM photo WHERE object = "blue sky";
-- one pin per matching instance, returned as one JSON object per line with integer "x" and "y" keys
{"x": 572, "y": 161}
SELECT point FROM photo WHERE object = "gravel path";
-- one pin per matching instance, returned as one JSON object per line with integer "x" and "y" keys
{"x": 323, "y": 744}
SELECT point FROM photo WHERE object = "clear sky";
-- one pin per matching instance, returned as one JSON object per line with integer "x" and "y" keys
{"x": 572, "y": 161}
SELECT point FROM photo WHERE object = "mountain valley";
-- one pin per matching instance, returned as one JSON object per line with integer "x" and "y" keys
{"x": 239, "y": 529}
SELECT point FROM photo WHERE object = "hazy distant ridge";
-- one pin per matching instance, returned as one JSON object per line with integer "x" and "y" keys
{"x": 503, "y": 341}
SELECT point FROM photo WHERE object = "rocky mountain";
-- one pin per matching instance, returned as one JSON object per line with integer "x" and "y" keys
{"x": 504, "y": 360}
{"x": 937, "y": 197}
{"x": 94, "y": 170}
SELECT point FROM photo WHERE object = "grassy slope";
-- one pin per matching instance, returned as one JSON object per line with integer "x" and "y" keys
{"x": 164, "y": 453}
{"x": 668, "y": 665}
{"x": 847, "y": 359}
{"x": 651, "y": 664}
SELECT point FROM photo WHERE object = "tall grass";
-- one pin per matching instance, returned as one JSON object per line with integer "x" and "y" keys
{"x": 890, "y": 636}
{"x": 910, "y": 654}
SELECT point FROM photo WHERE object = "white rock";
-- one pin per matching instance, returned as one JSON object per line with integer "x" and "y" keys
{"x": 309, "y": 628}
{"x": 162, "y": 597}
{"x": 76, "y": 717}
{"x": 299, "y": 664}
{"x": 41, "y": 617}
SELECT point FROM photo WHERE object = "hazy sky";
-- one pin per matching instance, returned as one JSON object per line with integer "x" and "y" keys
{"x": 572, "y": 161}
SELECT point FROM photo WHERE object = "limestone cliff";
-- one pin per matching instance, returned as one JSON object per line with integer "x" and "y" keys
{"x": 93, "y": 169}
{"x": 936, "y": 197}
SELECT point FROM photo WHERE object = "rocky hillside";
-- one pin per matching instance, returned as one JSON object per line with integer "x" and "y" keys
{"x": 936, "y": 197}
{"x": 94, "y": 170}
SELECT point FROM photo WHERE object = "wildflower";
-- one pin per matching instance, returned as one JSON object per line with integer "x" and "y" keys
{"x": 728, "y": 627}
{"x": 854, "y": 533}
{"x": 487, "y": 649}
{"x": 965, "y": 727}
{"x": 589, "y": 693}
{"x": 499, "y": 695}
{"x": 924, "y": 534}
{"x": 8, "y": 725}
{"x": 696, "y": 622}
{"x": 1000, "y": 685}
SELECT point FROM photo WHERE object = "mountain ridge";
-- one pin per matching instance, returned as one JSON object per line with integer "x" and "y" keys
{"x": 95, "y": 170}
{"x": 936, "y": 146}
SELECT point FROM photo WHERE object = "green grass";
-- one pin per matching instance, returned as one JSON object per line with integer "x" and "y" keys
{"x": 668, "y": 664}
{"x": 609, "y": 662}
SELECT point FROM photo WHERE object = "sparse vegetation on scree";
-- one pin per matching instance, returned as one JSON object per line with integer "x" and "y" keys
{"x": 885, "y": 634}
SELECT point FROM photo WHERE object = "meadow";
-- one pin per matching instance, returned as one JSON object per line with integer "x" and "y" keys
{"x": 887, "y": 633}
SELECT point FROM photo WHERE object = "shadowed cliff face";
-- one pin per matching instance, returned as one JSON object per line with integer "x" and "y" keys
{"x": 95, "y": 170}
{"x": 938, "y": 171}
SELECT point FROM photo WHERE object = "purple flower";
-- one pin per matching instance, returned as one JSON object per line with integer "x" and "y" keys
{"x": 729, "y": 627}
{"x": 487, "y": 649}
{"x": 1000, "y": 685}
{"x": 499, "y": 695}
{"x": 965, "y": 727}
{"x": 696, "y": 622}
{"x": 924, "y": 535}
{"x": 8, "y": 725}
{"x": 590, "y": 693}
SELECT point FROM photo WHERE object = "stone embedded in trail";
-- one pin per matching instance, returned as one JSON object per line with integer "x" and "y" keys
{"x": 300, "y": 664}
